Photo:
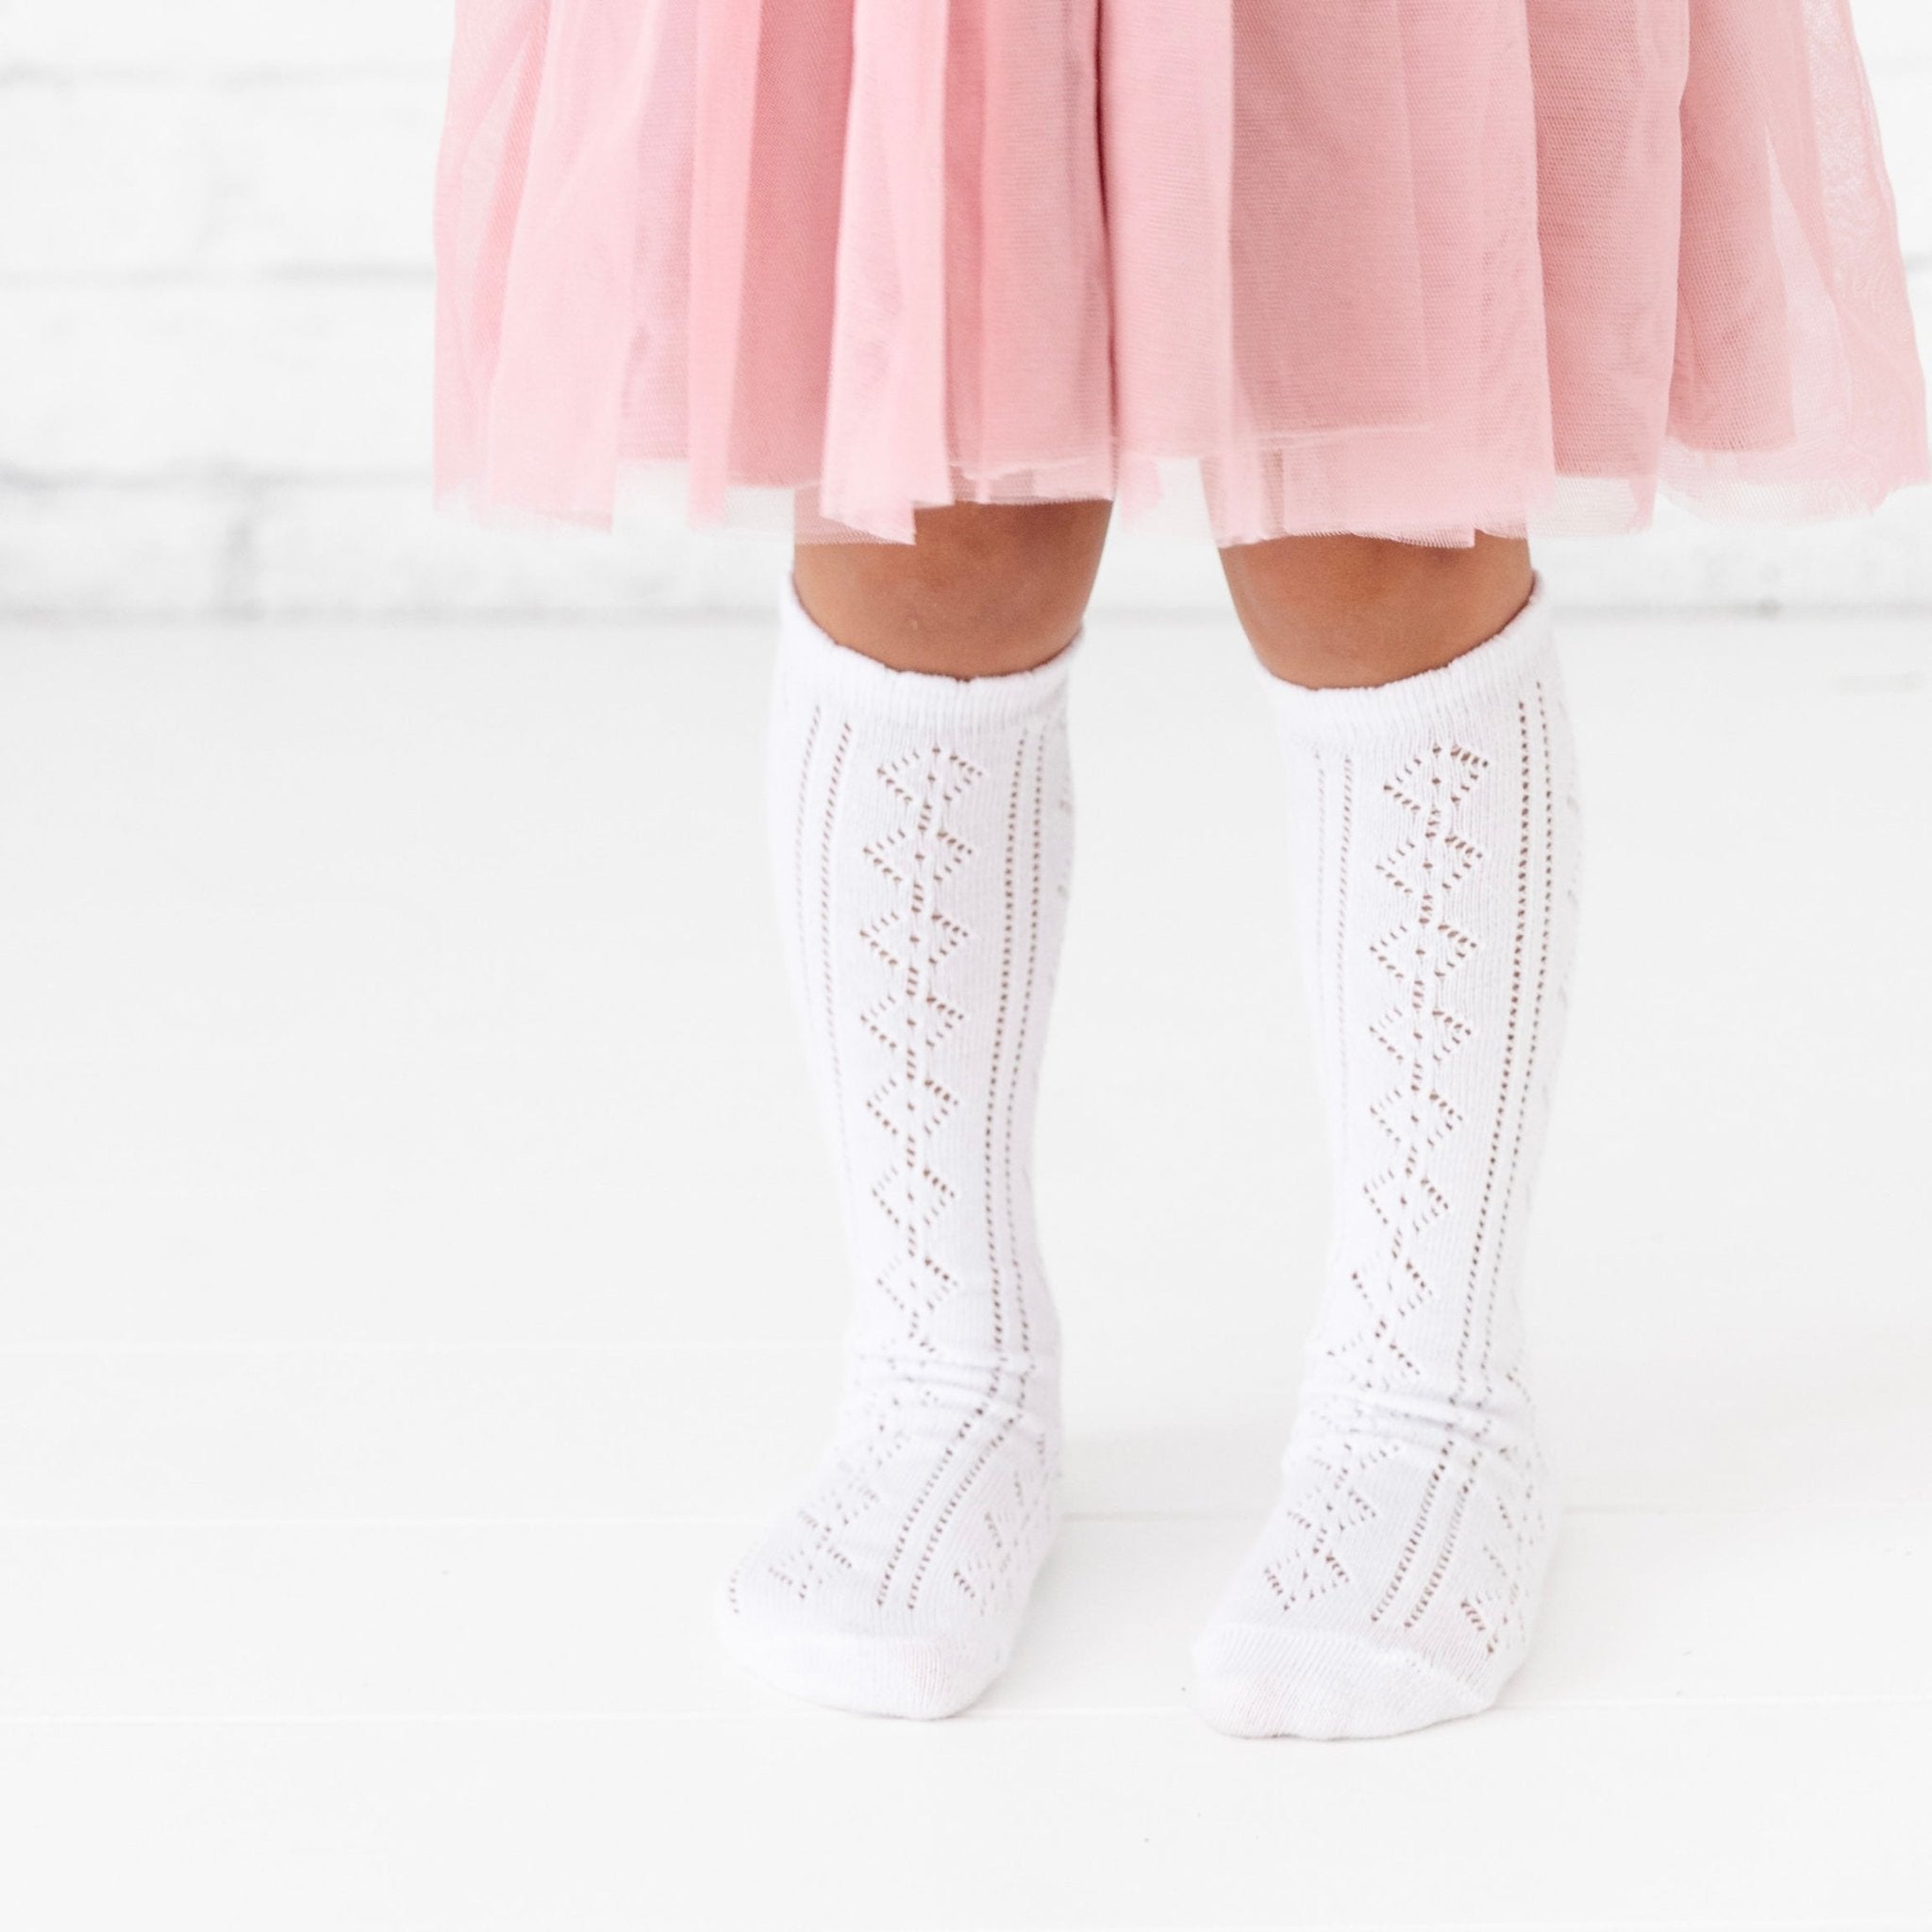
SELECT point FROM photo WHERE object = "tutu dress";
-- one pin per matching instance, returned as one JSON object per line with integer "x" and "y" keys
{"x": 1404, "y": 268}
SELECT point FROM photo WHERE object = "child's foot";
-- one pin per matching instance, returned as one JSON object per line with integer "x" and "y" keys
{"x": 1435, "y": 865}
{"x": 897, "y": 1583}
{"x": 1394, "y": 1584}
{"x": 922, "y": 846}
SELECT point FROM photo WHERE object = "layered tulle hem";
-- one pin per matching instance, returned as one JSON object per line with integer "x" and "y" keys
{"x": 1248, "y": 269}
{"x": 1171, "y": 499}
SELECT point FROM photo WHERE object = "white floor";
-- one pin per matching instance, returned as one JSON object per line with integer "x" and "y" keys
{"x": 420, "y": 1273}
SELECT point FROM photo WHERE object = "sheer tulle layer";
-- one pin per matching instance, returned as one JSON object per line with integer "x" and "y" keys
{"x": 1400, "y": 266}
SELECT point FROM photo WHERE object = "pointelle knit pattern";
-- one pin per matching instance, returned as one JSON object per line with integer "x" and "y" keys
{"x": 1435, "y": 863}
{"x": 921, "y": 839}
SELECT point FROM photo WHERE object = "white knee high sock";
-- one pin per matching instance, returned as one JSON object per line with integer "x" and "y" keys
{"x": 1435, "y": 859}
{"x": 921, "y": 846}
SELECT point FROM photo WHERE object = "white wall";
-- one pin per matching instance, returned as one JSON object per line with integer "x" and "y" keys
{"x": 214, "y": 346}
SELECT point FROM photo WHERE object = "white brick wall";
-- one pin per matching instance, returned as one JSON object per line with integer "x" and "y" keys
{"x": 214, "y": 334}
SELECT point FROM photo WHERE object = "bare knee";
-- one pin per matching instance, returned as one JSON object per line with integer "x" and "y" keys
{"x": 1358, "y": 610}
{"x": 986, "y": 589}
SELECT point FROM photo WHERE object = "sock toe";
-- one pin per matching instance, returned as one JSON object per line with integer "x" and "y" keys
{"x": 878, "y": 1673}
{"x": 1252, "y": 1682}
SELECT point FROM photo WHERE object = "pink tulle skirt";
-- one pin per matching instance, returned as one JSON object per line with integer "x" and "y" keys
{"x": 1405, "y": 268}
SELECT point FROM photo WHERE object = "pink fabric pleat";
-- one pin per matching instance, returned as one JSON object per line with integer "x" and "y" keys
{"x": 726, "y": 49}
{"x": 1407, "y": 268}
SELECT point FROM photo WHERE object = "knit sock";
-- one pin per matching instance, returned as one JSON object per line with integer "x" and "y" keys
{"x": 1435, "y": 859}
{"x": 921, "y": 838}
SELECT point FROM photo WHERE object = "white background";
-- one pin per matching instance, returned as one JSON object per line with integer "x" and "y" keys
{"x": 215, "y": 328}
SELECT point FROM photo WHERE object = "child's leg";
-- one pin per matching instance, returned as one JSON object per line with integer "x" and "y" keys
{"x": 920, "y": 818}
{"x": 1434, "y": 858}
{"x": 986, "y": 590}
{"x": 1347, "y": 611}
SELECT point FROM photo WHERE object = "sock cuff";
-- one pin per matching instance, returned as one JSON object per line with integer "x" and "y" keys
{"x": 1493, "y": 670}
{"x": 853, "y": 678}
